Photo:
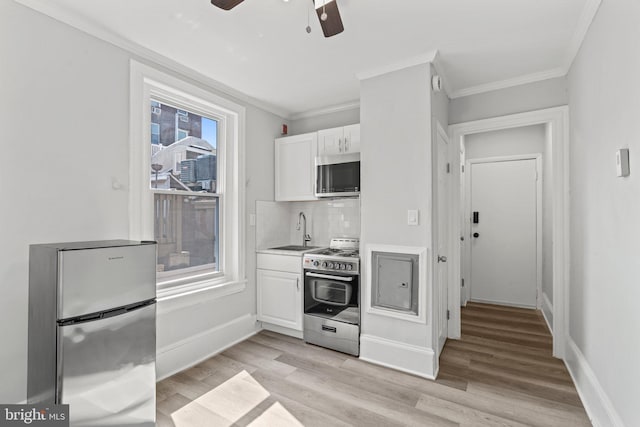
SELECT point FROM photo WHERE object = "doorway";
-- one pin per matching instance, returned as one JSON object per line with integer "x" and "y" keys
{"x": 503, "y": 200}
{"x": 557, "y": 135}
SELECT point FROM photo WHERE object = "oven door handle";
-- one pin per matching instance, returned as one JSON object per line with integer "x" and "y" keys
{"x": 326, "y": 276}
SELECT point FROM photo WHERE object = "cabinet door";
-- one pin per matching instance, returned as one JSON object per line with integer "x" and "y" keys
{"x": 352, "y": 138}
{"x": 331, "y": 141}
{"x": 280, "y": 298}
{"x": 295, "y": 167}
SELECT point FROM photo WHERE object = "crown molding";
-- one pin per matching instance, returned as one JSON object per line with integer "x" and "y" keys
{"x": 504, "y": 84}
{"x": 87, "y": 26}
{"x": 347, "y": 106}
{"x": 584, "y": 22}
{"x": 399, "y": 65}
{"x": 589, "y": 12}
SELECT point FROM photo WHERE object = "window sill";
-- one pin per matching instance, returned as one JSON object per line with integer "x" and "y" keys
{"x": 196, "y": 293}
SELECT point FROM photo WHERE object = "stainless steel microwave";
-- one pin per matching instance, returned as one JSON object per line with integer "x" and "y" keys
{"x": 338, "y": 176}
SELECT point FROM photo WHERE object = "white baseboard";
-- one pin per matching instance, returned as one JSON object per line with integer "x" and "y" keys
{"x": 596, "y": 402}
{"x": 282, "y": 330}
{"x": 503, "y": 303}
{"x": 193, "y": 350}
{"x": 403, "y": 357}
{"x": 547, "y": 312}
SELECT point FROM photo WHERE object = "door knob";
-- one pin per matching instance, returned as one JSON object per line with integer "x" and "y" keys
{"x": 442, "y": 258}
{"x": 476, "y": 235}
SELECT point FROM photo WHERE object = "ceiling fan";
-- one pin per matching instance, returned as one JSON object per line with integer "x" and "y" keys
{"x": 327, "y": 11}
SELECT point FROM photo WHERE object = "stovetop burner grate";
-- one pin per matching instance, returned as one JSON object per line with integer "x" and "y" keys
{"x": 338, "y": 252}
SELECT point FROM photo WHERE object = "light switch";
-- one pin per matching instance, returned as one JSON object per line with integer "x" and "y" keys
{"x": 412, "y": 217}
{"x": 622, "y": 162}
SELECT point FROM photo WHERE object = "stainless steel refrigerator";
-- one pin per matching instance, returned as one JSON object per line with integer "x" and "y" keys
{"x": 92, "y": 330}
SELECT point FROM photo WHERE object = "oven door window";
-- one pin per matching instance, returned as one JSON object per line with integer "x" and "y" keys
{"x": 332, "y": 293}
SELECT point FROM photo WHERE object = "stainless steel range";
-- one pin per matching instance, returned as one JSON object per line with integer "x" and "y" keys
{"x": 332, "y": 296}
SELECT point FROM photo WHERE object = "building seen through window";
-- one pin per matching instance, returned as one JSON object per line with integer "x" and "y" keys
{"x": 183, "y": 178}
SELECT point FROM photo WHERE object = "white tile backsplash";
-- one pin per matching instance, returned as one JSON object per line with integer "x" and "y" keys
{"x": 276, "y": 221}
{"x": 272, "y": 225}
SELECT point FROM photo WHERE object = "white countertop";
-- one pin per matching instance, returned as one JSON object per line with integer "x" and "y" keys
{"x": 285, "y": 252}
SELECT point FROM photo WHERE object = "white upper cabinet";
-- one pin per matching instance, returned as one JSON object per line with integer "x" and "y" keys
{"x": 352, "y": 138}
{"x": 295, "y": 167}
{"x": 340, "y": 140}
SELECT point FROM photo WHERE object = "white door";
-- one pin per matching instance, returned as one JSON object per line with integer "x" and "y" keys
{"x": 504, "y": 232}
{"x": 443, "y": 191}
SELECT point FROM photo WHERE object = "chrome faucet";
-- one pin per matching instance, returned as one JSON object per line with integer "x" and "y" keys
{"x": 305, "y": 237}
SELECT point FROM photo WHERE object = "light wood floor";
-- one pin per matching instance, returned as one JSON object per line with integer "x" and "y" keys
{"x": 501, "y": 373}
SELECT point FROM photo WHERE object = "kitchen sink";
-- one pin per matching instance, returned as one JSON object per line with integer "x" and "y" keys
{"x": 294, "y": 248}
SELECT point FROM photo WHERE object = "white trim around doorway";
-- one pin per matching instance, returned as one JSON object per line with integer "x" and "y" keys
{"x": 557, "y": 119}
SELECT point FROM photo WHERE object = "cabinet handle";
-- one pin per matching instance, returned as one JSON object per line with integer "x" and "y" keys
{"x": 340, "y": 144}
{"x": 298, "y": 283}
{"x": 346, "y": 144}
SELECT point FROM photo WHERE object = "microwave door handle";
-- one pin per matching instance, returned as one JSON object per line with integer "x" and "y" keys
{"x": 326, "y": 276}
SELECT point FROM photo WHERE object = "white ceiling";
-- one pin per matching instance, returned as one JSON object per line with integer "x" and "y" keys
{"x": 262, "y": 50}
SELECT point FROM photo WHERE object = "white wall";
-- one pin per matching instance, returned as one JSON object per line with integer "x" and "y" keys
{"x": 506, "y": 142}
{"x": 517, "y": 99}
{"x": 395, "y": 112}
{"x": 64, "y": 106}
{"x": 439, "y": 104}
{"x": 324, "y": 121}
{"x": 524, "y": 140}
{"x": 604, "y": 323}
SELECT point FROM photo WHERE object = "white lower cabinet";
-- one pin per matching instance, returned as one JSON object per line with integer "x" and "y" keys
{"x": 279, "y": 297}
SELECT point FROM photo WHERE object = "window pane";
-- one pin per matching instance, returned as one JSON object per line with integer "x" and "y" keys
{"x": 186, "y": 229}
{"x": 183, "y": 155}
{"x": 182, "y": 134}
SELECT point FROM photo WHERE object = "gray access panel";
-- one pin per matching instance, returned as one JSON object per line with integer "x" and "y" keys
{"x": 394, "y": 281}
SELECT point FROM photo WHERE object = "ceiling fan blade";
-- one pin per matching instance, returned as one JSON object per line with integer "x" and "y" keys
{"x": 333, "y": 24}
{"x": 226, "y": 4}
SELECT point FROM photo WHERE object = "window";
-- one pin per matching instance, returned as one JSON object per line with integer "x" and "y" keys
{"x": 186, "y": 191}
{"x": 182, "y": 133}
{"x": 183, "y": 180}
{"x": 155, "y": 133}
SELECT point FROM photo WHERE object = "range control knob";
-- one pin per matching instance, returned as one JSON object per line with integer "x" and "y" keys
{"x": 342, "y": 266}
{"x": 316, "y": 263}
{"x": 349, "y": 267}
{"x": 324, "y": 265}
{"x": 330, "y": 265}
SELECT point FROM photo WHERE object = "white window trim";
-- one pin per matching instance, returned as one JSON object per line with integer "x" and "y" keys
{"x": 147, "y": 83}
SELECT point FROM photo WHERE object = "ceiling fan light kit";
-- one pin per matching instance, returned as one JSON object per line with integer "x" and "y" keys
{"x": 327, "y": 11}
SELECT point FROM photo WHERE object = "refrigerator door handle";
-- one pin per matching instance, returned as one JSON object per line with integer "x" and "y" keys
{"x": 106, "y": 314}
